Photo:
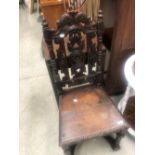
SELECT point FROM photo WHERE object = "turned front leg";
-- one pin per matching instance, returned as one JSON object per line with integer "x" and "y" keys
{"x": 70, "y": 149}
{"x": 119, "y": 136}
{"x": 115, "y": 142}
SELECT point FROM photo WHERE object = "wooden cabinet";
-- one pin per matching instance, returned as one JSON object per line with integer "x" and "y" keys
{"x": 129, "y": 113}
{"x": 122, "y": 44}
{"x": 52, "y": 10}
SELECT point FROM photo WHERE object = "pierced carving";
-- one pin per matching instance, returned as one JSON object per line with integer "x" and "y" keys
{"x": 79, "y": 43}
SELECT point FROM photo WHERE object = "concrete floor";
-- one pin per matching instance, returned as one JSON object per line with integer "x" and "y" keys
{"x": 38, "y": 110}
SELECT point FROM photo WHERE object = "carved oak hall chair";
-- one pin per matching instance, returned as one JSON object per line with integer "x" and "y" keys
{"x": 77, "y": 54}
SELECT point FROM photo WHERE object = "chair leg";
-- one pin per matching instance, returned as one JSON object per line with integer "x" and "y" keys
{"x": 31, "y": 6}
{"x": 119, "y": 136}
{"x": 70, "y": 149}
{"x": 115, "y": 142}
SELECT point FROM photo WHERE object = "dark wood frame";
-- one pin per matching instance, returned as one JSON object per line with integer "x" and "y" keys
{"x": 72, "y": 25}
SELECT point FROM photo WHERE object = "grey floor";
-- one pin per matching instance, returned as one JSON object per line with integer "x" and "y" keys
{"x": 38, "y": 110}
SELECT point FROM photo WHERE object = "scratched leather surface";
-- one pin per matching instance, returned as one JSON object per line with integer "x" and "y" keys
{"x": 87, "y": 112}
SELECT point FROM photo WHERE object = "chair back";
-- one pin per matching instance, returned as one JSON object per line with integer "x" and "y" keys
{"x": 76, "y": 49}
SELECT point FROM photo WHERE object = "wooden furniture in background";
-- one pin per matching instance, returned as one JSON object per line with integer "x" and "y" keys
{"x": 84, "y": 111}
{"x": 53, "y": 10}
{"x": 129, "y": 112}
{"x": 123, "y": 44}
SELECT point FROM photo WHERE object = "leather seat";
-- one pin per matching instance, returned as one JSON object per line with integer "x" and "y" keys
{"x": 87, "y": 112}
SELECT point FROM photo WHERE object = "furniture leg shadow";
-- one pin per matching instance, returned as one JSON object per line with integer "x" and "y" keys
{"x": 115, "y": 142}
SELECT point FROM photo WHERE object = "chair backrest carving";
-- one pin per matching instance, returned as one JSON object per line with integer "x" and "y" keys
{"x": 76, "y": 49}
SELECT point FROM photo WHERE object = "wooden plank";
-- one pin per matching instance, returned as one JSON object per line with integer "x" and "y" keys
{"x": 123, "y": 45}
